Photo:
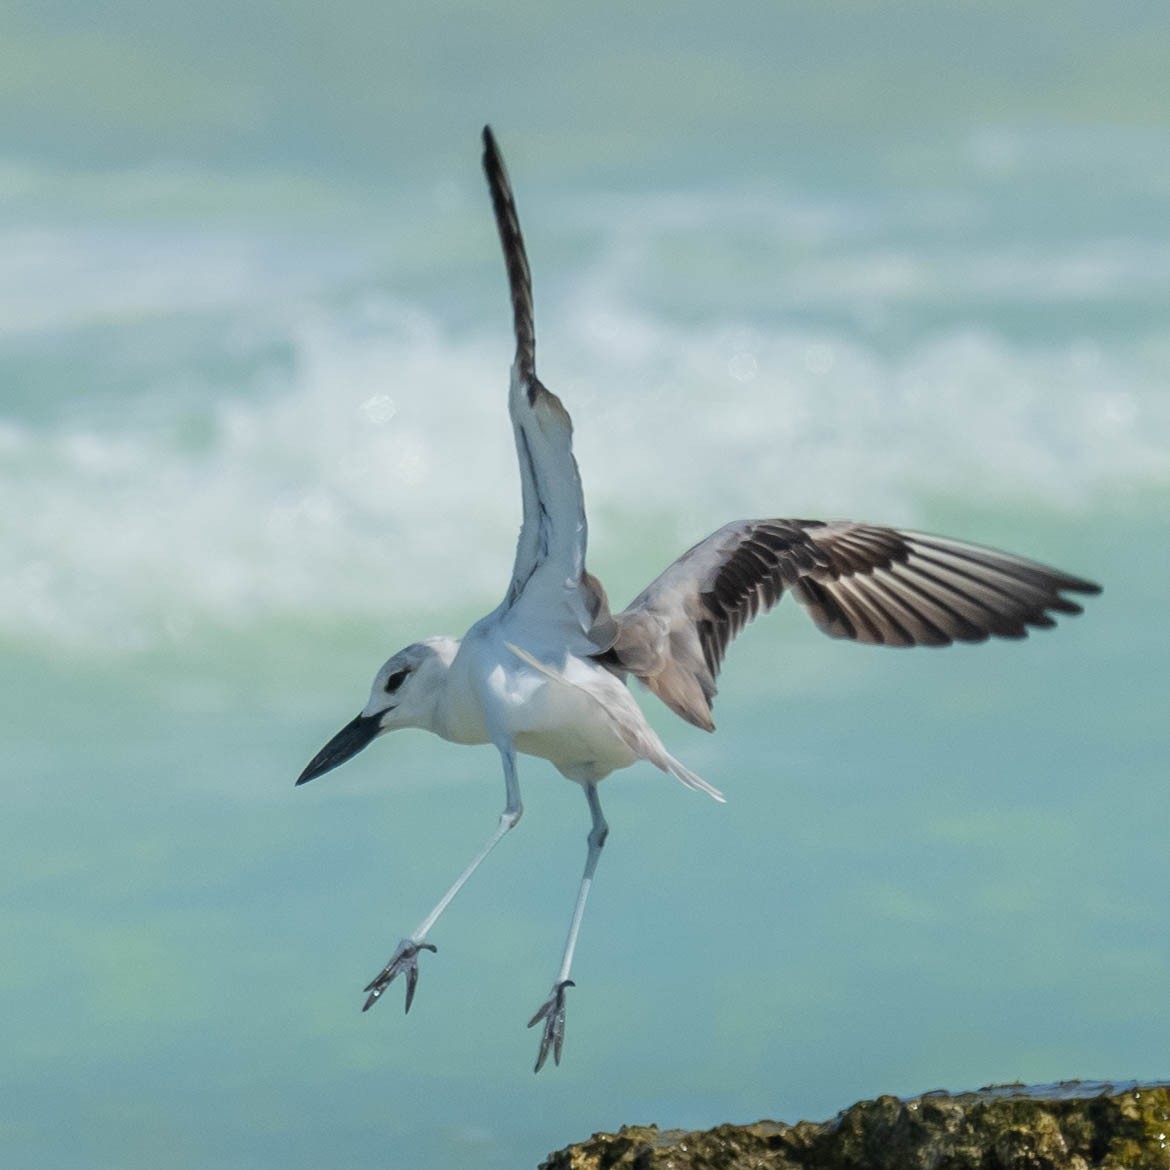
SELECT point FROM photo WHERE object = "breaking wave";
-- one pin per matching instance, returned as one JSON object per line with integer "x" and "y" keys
{"x": 232, "y": 433}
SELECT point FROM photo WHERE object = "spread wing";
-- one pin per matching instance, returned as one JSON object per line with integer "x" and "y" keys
{"x": 549, "y": 580}
{"x": 857, "y": 581}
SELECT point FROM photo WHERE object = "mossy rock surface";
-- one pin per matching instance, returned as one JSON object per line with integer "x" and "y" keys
{"x": 1075, "y": 1125}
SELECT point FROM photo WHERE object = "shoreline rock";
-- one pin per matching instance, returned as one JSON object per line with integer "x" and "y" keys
{"x": 1074, "y": 1125}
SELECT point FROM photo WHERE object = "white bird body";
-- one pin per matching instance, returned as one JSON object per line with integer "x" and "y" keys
{"x": 544, "y": 674}
{"x": 569, "y": 713}
{"x": 565, "y": 723}
{"x": 493, "y": 695}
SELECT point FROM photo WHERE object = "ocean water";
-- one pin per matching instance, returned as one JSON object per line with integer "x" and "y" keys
{"x": 904, "y": 264}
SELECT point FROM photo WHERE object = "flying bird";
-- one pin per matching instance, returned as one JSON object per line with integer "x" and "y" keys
{"x": 546, "y": 672}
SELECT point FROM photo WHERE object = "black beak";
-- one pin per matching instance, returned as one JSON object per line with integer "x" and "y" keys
{"x": 346, "y": 743}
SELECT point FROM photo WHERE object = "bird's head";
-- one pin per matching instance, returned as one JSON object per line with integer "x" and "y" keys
{"x": 404, "y": 694}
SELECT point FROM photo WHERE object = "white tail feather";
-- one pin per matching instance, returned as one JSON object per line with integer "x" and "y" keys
{"x": 687, "y": 777}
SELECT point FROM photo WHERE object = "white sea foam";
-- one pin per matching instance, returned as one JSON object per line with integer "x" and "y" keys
{"x": 370, "y": 469}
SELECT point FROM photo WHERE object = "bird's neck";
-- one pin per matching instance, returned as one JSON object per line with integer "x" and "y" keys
{"x": 457, "y": 711}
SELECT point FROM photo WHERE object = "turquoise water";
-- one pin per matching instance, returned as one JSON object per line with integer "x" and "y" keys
{"x": 903, "y": 263}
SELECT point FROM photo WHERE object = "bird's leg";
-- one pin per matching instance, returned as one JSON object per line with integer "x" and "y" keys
{"x": 405, "y": 957}
{"x": 552, "y": 1011}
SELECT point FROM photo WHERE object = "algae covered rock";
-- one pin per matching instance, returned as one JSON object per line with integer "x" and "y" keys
{"x": 1076, "y": 1125}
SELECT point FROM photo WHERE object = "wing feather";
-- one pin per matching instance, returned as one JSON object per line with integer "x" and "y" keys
{"x": 515, "y": 260}
{"x": 550, "y": 551}
{"x": 882, "y": 586}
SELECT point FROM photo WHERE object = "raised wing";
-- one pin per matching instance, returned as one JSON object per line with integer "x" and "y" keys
{"x": 549, "y": 574}
{"x": 858, "y": 581}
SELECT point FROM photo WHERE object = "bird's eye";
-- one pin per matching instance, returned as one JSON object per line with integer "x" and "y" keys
{"x": 395, "y": 681}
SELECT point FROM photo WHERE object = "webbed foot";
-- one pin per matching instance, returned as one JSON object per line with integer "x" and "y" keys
{"x": 404, "y": 960}
{"x": 552, "y": 1011}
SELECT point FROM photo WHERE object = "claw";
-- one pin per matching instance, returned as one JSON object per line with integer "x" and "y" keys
{"x": 404, "y": 959}
{"x": 552, "y": 1011}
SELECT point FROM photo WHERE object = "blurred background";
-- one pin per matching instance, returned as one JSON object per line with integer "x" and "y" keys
{"x": 905, "y": 262}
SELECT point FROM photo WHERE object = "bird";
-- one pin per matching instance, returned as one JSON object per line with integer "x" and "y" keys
{"x": 546, "y": 673}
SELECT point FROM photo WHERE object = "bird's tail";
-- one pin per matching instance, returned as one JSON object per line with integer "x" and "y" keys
{"x": 683, "y": 774}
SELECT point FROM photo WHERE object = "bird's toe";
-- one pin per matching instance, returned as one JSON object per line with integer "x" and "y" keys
{"x": 552, "y": 1012}
{"x": 404, "y": 961}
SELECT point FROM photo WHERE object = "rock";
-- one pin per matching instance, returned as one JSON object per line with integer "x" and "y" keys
{"x": 1076, "y": 1125}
